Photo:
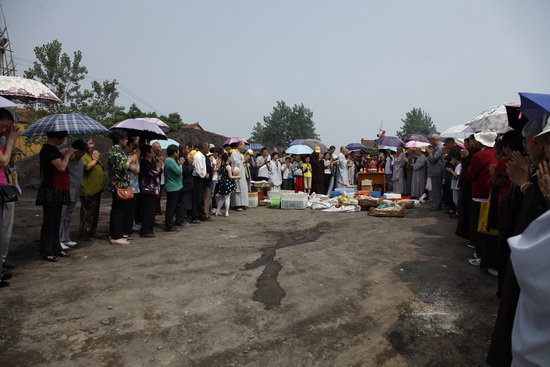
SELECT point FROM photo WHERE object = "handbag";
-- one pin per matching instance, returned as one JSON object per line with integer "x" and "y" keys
{"x": 484, "y": 209}
{"x": 8, "y": 193}
{"x": 124, "y": 194}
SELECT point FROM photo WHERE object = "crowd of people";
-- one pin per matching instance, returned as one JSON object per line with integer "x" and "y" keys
{"x": 496, "y": 185}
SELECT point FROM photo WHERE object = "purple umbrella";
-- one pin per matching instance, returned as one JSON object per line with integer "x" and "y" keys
{"x": 141, "y": 128}
{"x": 355, "y": 146}
{"x": 415, "y": 137}
{"x": 230, "y": 141}
{"x": 392, "y": 141}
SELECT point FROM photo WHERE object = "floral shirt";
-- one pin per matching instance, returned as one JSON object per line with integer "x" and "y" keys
{"x": 118, "y": 169}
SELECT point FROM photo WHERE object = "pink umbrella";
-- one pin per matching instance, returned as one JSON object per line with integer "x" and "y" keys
{"x": 230, "y": 141}
{"x": 416, "y": 144}
{"x": 23, "y": 90}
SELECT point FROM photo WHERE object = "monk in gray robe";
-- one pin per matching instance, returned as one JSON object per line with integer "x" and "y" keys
{"x": 399, "y": 172}
{"x": 342, "y": 177}
{"x": 239, "y": 199}
{"x": 419, "y": 175}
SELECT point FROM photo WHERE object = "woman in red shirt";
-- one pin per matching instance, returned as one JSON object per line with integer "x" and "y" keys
{"x": 53, "y": 194}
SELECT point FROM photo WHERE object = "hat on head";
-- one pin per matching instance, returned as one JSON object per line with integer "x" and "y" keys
{"x": 486, "y": 139}
{"x": 193, "y": 152}
{"x": 317, "y": 149}
{"x": 545, "y": 129}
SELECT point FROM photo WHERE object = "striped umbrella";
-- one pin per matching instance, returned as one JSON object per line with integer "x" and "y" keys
{"x": 73, "y": 123}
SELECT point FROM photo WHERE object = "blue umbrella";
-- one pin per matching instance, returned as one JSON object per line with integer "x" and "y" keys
{"x": 256, "y": 147}
{"x": 299, "y": 149}
{"x": 355, "y": 146}
{"x": 73, "y": 123}
{"x": 296, "y": 141}
{"x": 165, "y": 143}
{"x": 392, "y": 141}
{"x": 534, "y": 105}
{"x": 393, "y": 149}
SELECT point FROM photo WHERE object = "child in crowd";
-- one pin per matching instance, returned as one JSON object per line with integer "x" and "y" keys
{"x": 306, "y": 169}
{"x": 456, "y": 160}
{"x": 298, "y": 174}
{"x": 288, "y": 177}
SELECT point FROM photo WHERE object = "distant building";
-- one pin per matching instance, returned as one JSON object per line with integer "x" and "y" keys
{"x": 195, "y": 126}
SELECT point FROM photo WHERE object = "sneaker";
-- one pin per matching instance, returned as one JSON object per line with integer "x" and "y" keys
{"x": 63, "y": 246}
{"x": 219, "y": 214}
{"x": 475, "y": 262}
{"x": 493, "y": 272}
{"x": 70, "y": 243}
{"x": 226, "y": 215}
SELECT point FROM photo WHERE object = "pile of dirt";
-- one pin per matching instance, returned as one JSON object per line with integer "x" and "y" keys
{"x": 29, "y": 167}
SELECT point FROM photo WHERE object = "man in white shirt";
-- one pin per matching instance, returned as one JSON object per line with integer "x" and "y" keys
{"x": 262, "y": 163}
{"x": 200, "y": 176}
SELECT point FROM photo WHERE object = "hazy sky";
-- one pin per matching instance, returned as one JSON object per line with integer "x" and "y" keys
{"x": 353, "y": 63}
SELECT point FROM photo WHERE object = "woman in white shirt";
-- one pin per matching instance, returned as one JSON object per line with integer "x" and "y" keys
{"x": 275, "y": 171}
{"x": 288, "y": 178}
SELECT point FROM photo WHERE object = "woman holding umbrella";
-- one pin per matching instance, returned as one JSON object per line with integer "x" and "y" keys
{"x": 119, "y": 179}
{"x": 53, "y": 193}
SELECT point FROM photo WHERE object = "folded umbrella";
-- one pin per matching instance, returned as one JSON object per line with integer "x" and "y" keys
{"x": 73, "y": 123}
{"x": 299, "y": 149}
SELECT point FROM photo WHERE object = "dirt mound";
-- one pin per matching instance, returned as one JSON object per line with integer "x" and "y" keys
{"x": 193, "y": 136}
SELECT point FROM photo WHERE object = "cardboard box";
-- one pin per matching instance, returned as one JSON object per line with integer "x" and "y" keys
{"x": 366, "y": 185}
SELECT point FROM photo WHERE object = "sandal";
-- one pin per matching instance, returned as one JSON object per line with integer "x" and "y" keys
{"x": 51, "y": 259}
{"x": 63, "y": 254}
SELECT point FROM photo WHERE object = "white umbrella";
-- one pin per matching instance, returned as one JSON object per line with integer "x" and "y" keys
{"x": 165, "y": 143}
{"x": 155, "y": 121}
{"x": 6, "y": 103}
{"x": 23, "y": 90}
{"x": 494, "y": 119}
{"x": 458, "y": 131}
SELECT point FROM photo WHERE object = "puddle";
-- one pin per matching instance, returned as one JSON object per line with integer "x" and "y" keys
{"x": 269, "y": 291}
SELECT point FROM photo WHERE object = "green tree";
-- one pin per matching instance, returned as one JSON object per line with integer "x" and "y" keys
{"x": 415, "y": 122}
{"x": 285, "y": 124}
{"x": 64, "y": 77}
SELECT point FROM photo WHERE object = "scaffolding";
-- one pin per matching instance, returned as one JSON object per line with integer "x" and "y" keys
{"x": 7, "y": 66}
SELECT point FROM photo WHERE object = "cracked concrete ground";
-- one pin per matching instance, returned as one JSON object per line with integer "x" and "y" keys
{"x": 262, "y": 287}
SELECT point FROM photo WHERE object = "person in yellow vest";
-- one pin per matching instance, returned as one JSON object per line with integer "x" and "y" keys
{"x": 308, "y": 176}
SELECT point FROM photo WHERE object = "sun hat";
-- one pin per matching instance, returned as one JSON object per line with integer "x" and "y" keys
{"x": 317, "y": 149}
{"x": 545, "y": 129}
{"x": 486, "y": 139}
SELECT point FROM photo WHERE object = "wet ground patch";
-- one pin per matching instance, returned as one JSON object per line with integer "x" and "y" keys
{"x": 269, "y": 291}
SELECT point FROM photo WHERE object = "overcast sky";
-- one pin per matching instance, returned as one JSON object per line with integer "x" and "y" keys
{"x": 353, "y": 63}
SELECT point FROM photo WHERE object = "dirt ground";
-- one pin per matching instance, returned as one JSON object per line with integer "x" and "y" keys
{"x": 263, "y": 287}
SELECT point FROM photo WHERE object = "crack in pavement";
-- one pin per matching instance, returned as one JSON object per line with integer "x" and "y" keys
{"x": 269, "y": 291}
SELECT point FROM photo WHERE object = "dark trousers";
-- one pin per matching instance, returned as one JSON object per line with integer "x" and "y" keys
{"x": 389, "y": 181}
{"x": 448, "y": 196}
{"x": 197, "y": 211}
{"x": 49, "y": 234}
{"x": 158, "y": 209}
{"x": 116, "y": 220}
{"x": 129, "y": 213}
{"x": 186, "y": 204}
{"x": 148, "y": 207}
{"x": 173, "y": 202}
{"x": 89, "y": 214}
